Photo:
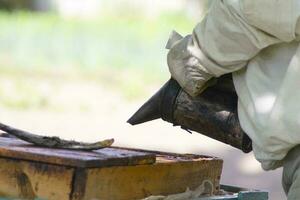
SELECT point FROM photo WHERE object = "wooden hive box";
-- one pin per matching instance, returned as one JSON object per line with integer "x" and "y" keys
{"x": 30, "y": 172}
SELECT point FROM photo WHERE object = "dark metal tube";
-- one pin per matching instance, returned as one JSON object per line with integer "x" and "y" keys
{"x": 213, "y": 113}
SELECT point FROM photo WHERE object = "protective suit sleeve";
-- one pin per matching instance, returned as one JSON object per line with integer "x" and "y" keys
{"x": 232, "y": 33}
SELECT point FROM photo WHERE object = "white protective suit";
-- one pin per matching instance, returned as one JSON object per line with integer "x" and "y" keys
{"x": 257, "y": 41}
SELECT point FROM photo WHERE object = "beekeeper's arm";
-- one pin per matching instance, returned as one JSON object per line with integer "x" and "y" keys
{"x": 232, "y": 33}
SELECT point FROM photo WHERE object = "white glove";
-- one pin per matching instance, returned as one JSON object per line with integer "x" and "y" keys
{"x": 184, "y": 66}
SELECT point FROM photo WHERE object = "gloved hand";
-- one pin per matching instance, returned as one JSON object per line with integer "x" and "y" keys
{"x": 184, "y": 65}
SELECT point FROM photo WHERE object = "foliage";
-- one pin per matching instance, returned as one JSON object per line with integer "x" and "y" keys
{"x": 124, "y": 51}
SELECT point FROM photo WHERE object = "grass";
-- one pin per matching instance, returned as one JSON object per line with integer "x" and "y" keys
{"x": 33, "y": 40}
{"x": 123, "y": 51}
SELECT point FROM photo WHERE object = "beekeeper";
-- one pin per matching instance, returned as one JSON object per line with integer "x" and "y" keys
{"x": 258, "y": 42}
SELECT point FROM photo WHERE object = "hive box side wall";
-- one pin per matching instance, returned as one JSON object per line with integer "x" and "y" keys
{"x": 137, "y": 182}
{"x": 28, "y": 180}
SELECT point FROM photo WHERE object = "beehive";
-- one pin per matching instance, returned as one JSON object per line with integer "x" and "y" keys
{"x": 30, "y": 172}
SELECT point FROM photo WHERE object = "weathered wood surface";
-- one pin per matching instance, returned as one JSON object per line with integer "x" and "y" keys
{"x": 14, "y": 148}
{"x": 30, "y": 178}
{"x": 167, "y": 176}
{"x": 54, "y": 141}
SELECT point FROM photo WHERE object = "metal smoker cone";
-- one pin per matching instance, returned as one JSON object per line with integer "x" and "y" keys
{"x": 151, "y": 110}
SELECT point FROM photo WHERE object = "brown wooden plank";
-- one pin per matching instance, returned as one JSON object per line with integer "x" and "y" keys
{"x": 169, "y": 175}
{"x": 17, "y": 149}
{"x": 31, "y": 180}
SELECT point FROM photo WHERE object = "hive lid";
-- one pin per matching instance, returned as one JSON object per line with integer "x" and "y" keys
{"x": 18, "y": 149}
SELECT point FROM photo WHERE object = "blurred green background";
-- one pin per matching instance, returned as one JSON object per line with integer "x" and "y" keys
{"x": 116, "y": 45}
{"x": 80, "y": 68}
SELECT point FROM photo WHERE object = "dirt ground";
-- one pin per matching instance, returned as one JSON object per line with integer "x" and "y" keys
{"x": 92, "y": 112}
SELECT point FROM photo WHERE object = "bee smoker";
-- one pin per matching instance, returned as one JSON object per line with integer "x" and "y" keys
{"x": 212, "y": 113}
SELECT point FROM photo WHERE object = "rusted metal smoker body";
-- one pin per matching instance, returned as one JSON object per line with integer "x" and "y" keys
{"x": 212, "y": 113}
